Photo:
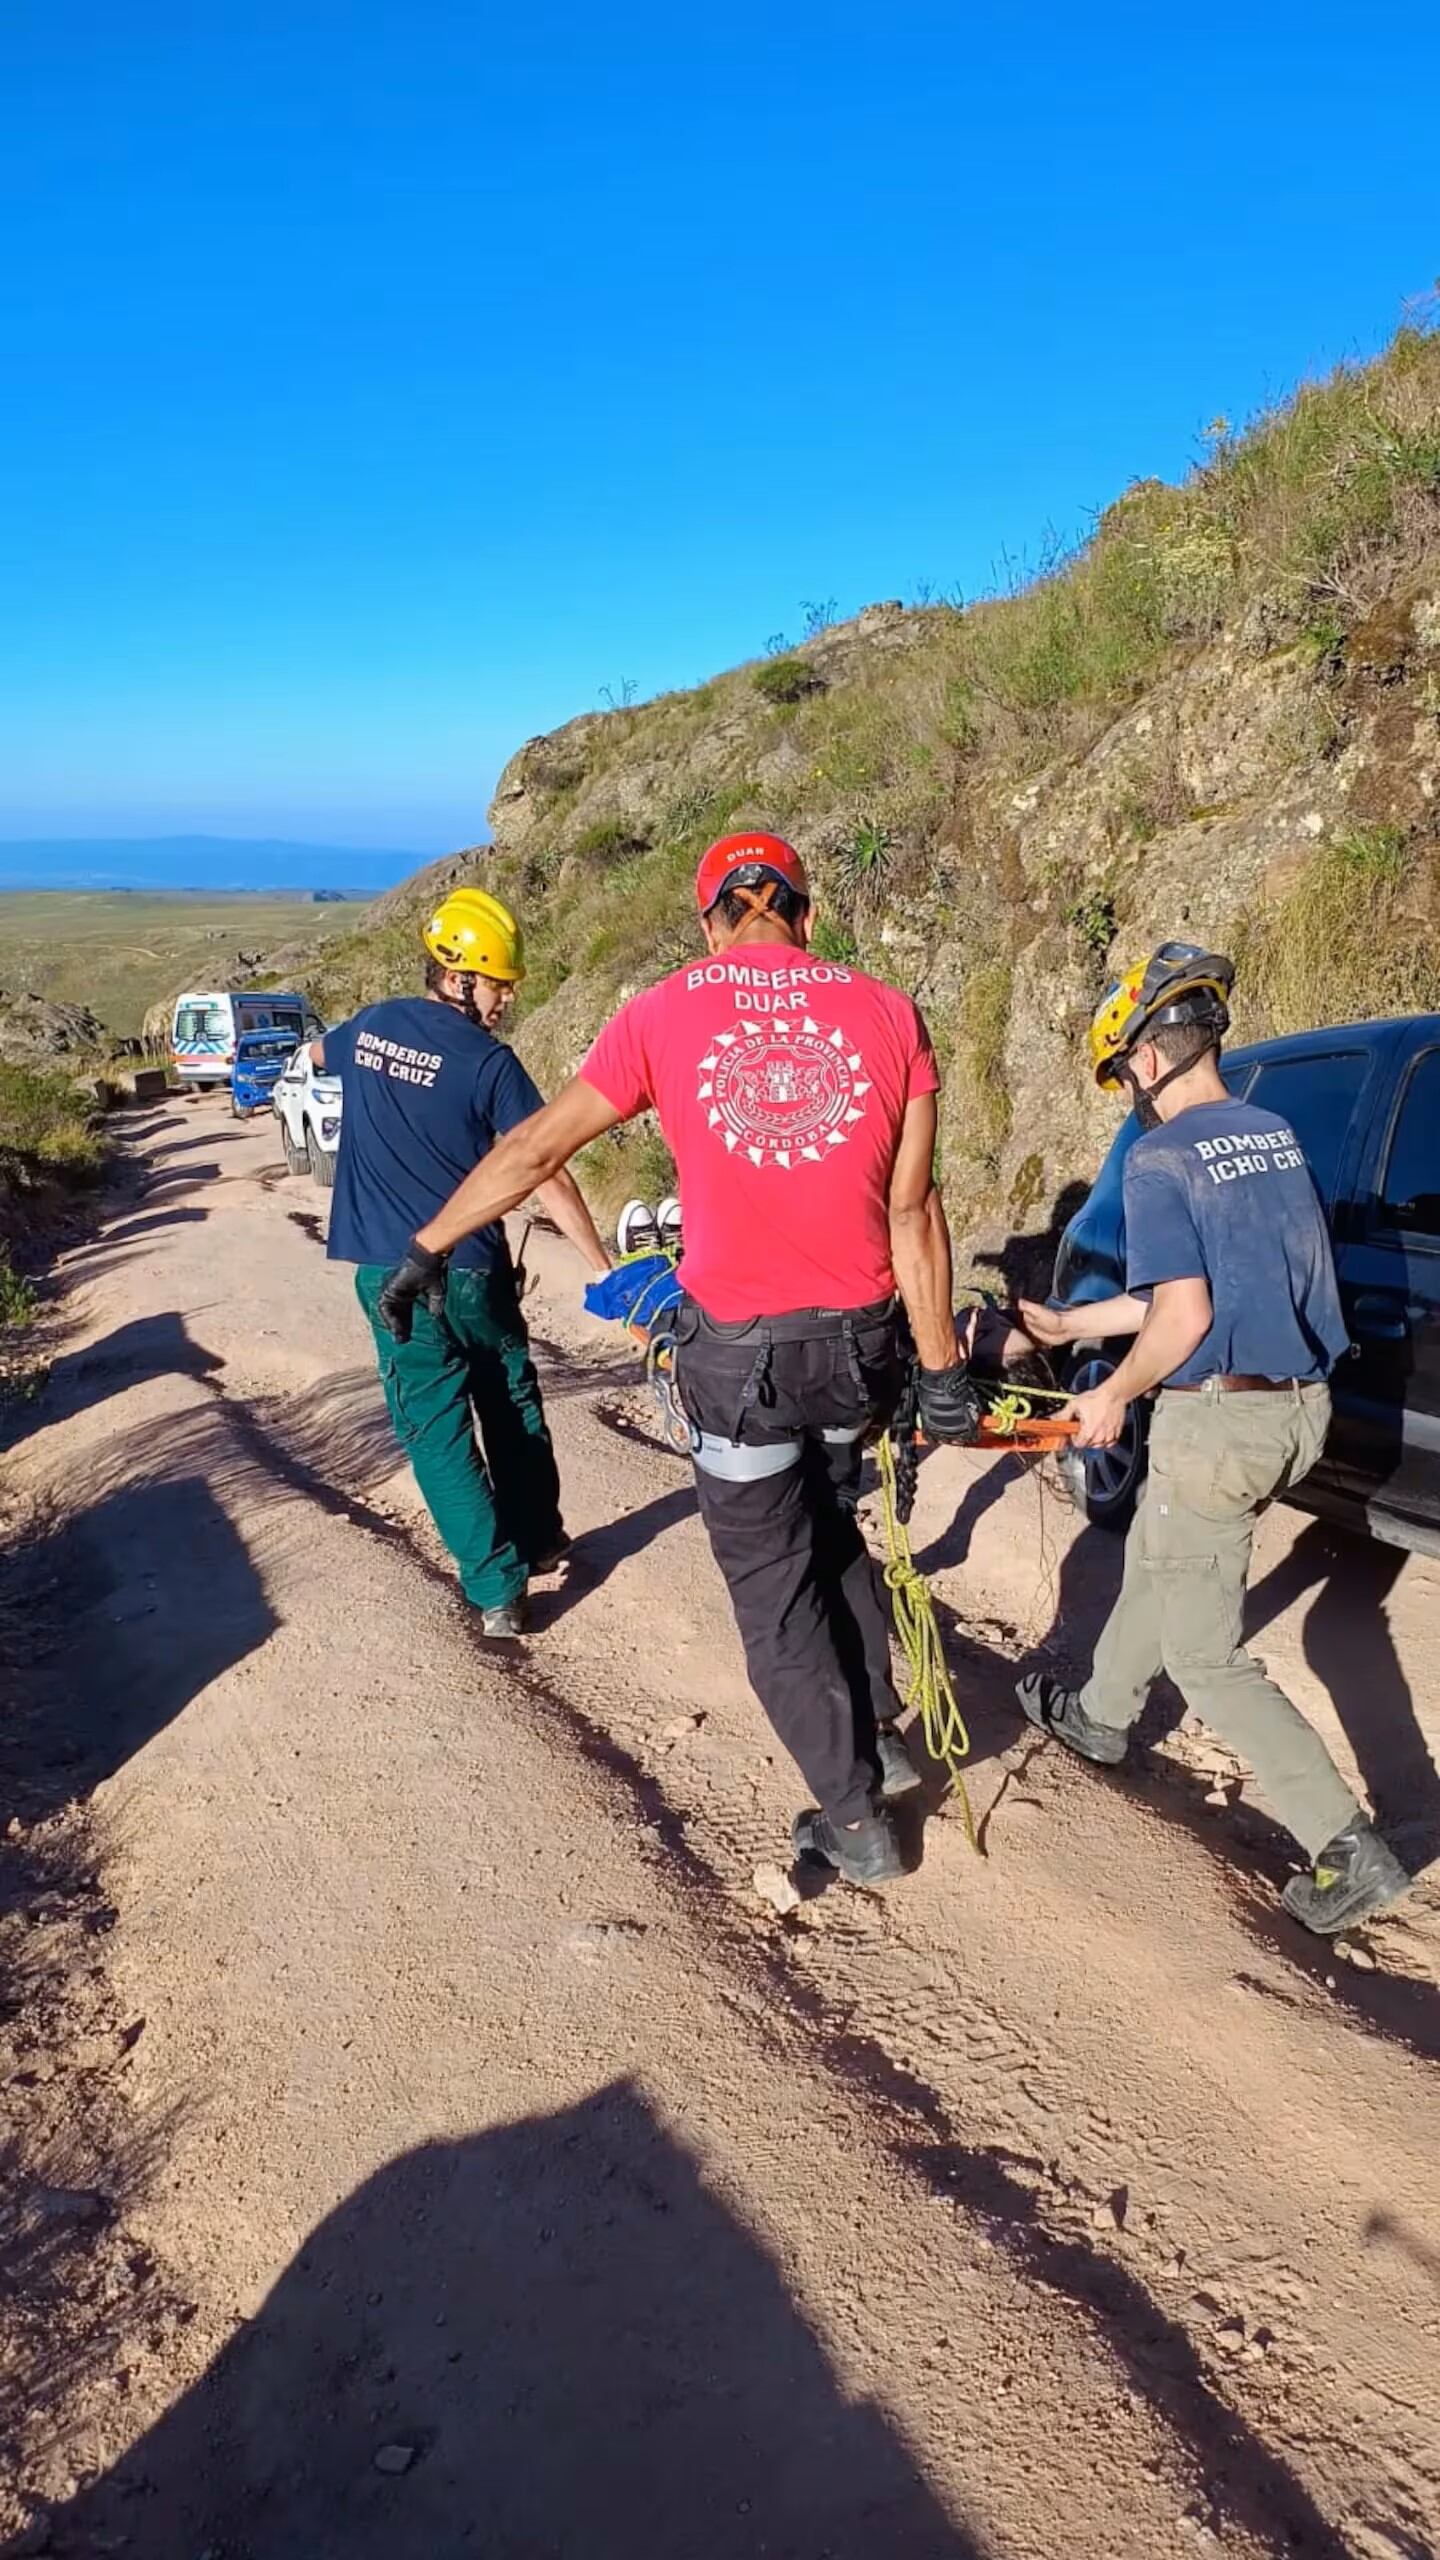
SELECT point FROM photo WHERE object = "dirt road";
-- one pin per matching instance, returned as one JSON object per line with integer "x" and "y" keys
{"x": 518, "y": 2182}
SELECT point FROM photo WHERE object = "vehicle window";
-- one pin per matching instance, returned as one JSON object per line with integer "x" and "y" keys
{"x": 275, "y": 1047}
{"x": 201, "y": 1022}
{"x": 255, "y": 1016}
{"x": 1235, "y": 1078}
{"x": 1317, "y": 1096}
{"x": 1410, "y": 1191}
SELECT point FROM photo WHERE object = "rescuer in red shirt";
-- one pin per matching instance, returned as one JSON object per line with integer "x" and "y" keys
{"x": 798, "y": 1097}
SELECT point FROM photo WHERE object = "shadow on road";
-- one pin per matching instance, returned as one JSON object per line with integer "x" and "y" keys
{"x": 157, "y": 1346}
{"x": 597, "y": 1552}
{"x": 1349, "y": 1647}
{"x": 127, "y": 1230}
{"x": 1244, "y": 2481}
{"x": 578, "y": 2348}
{"x": 1351, "y": 1651}
{"x": 112, "y": 1622}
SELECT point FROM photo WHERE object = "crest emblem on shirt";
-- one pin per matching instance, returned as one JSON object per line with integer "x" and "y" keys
{"x": 783, "y": 1093}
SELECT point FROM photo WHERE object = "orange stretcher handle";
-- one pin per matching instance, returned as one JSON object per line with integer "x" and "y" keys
{"x": 1038, "y": 1431}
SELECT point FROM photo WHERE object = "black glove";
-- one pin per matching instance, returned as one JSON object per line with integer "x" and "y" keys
{"x": 420, "y": 1276}
{"x": 947, "y": 1405}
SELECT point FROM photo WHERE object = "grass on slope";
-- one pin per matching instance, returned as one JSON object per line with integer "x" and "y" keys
{"x": 120, "y": 953}
{"x": 879, "y": 750}
{"x": 49, "y": 1142}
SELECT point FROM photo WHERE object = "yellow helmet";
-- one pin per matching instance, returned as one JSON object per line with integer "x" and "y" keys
{"x": 1181, "y": 983}
{"x": 471, "y": 930}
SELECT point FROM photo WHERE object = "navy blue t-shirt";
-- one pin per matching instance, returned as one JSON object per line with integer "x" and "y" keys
{"x": 426, "y": 1096}
{"x": 1223, "y": 1193}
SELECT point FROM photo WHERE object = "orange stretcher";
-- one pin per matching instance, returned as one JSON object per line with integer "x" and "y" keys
{"x": 1030, "y": 1433}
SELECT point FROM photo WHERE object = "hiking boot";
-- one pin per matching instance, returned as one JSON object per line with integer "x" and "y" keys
{"x": 1058, "y": 1711}
{"x": 1353, "y": 1875}
{"x": 868, "y": 1854}
{"x": 504, "y": 1624}
{"x": 898, "y": 1773}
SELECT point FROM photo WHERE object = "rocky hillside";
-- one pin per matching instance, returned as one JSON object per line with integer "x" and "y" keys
{"x": 1220, "y": 718}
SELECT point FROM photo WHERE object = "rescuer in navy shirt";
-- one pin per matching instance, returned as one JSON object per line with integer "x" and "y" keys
{"x": 1230, "y": 1291}
{"x": 428, "y": 1089}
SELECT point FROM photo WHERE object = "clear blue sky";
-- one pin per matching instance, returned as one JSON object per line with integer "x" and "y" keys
{"x": 384, "y": 381}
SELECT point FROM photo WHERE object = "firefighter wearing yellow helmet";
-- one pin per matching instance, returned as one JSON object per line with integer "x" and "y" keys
{"x": 1230, "y": 1294}
{"x": 428, "y": 1089}
{"x": 472, "y": 934}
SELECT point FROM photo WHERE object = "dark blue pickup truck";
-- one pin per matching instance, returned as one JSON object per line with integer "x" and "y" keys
{"x": 1364, "y": 1102}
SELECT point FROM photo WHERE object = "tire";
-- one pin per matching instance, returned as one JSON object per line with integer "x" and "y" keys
{"x": 296, "y": 1159}
{"x": 322, "y": 1166}
{"x": 1105, "y": 1483}
{"x": 235, "y": 1111}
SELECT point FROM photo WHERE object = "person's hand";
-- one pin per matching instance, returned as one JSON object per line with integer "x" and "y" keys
{"x": 1099, "y": 1416}
{"x": 947, "y": 1407}
{"x": 418, "y": 1280}
{"x": 1049, "y": 1326}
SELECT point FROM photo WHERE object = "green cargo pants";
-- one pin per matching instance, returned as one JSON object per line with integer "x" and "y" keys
{"x": 498, "y": 1514}
{"x": 1215, "y": 1461}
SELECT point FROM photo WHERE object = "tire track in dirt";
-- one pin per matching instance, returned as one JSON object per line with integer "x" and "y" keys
{"x": 952, "y": 2027}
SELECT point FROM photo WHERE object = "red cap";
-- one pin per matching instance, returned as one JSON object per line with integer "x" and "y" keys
{"x": 747, "y": 858}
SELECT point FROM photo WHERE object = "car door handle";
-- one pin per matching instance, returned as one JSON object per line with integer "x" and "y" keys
{"x": 1381, "y": 1317}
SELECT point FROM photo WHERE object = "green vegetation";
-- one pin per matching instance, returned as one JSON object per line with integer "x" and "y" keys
{"x": 120, "y": 953}
{"x": 1092, "y": 916}
{"x": 864, "y": 858}
{"x": 18, "y": 1302}
{"x": 49, "y": 1142}
{"x": 983, "y": 1087}
{"x": 1352, "y": 938}
{"x": 835, "y": 941}
{"x": 1288, "y": 510}
{"x": 786, "y": 679}
{"x": 46, "y": 1126}
{"x": 956, "y": 779}
{"x": 628, "y": 1163}
{"x": 609, "y": 840}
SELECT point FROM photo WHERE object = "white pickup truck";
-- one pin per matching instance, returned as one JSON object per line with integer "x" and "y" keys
{"x": 307, "y": 1105}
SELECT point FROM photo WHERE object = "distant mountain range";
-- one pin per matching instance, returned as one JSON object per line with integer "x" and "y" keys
{"x": 209, "y": 863}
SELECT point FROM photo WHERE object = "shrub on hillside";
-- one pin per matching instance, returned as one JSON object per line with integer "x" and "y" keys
{"x": 787, "y": 680}
{"x": 45, "y": 1125}
{"x": 1351, "y": 939}
{"x": 610, "y": 840}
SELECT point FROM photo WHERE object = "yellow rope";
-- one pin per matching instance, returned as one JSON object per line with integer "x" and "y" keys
{"x": 1005, "y": 1411}
{"x": 930, "y": 1688}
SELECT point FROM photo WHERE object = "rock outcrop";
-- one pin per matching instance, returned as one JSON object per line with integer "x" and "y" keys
{"x": 1221, "y": 720}
{"x": 34, "y": 1032}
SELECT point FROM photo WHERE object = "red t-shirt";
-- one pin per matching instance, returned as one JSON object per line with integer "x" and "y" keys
{"x": 781, "y": 1082}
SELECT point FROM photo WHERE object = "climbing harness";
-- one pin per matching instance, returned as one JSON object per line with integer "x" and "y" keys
{"x": 644, "y": 1290}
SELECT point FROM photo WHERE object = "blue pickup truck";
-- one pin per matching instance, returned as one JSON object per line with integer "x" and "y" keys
{"x": 261, "y": 1058}
{"x": 1364, "y": 1102}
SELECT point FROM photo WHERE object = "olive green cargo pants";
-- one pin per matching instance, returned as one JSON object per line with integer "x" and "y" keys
{"x": 1215, "y": 1461}
{"x": 498, "y": 1514}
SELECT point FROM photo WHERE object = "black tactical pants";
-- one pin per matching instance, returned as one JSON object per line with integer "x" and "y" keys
{"x": 779, "y": 1409}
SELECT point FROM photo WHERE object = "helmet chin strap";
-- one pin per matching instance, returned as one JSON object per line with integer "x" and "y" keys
{"x": 465, "y": 1001}
{"x": 1143, "y": 1096}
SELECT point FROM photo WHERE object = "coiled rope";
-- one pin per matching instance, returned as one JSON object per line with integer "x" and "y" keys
{"x": 929, "y": 1689}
